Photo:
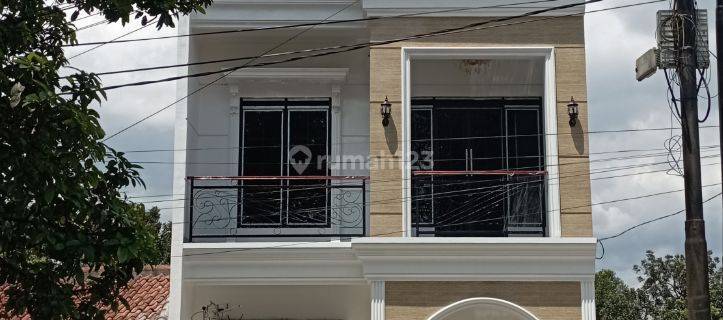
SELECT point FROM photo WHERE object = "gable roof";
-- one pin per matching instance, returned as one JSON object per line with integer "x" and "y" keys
{"x": 147, "y": 296}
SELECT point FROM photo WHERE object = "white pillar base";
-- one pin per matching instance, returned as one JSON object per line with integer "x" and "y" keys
{"x": 587, "y": 297}
{"x": 377, "y": 296}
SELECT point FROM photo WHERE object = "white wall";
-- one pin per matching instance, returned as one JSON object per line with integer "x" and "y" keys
{"x": 213, "y": 115}
{"x": 209, "y": 111}
{"x": 478, "y": 78}
{"x": 348, "y": 302}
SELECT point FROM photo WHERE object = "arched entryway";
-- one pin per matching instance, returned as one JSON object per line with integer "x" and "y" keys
{"x": 483, "y": 309}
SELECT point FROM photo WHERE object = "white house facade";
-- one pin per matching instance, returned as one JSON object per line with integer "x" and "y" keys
{"x": 374, "y": 159}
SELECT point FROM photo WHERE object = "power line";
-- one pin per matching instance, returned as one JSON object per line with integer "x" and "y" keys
{"x": 116, "y": 38}
{"x": 570, "y": 174}
{"x": 601, "y": 240}
{"x": 448, "y": 160}
{"x": 350, "y": 46}
{"x": 94, "y": 24}
{"x": 399, "y": 231}
{"x": 88, "y": 16}
{"x": 218, "y": 79}
{"x": 292, "y": 26}
{"x": 559, "y": 177}
{"x": 438, "y": 195}
{"x": 365, "y": 142}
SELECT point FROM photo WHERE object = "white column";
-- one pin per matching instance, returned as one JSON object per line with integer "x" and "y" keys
{"x": 587, "y": 297}
{"x": 377, "y": 300}
{"x": 554, "y": 225}
{"x": 336, "y": 145}
{"x": 180, "y": 138}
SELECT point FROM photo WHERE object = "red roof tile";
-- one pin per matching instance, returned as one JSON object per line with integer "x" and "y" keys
{"x": 147, "y": 296}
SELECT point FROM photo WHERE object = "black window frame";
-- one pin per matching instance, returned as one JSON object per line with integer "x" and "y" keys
{"x": 285, "y": 105}
{"x": 504, "y": 105}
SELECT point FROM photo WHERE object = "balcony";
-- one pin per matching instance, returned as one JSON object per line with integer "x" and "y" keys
{"x": 276, "y": 206}
{"x": 481, "y": 203}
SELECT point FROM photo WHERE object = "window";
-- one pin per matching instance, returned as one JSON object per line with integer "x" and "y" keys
{"x": 463, "y": 153}
{"x": 284, "y": 138}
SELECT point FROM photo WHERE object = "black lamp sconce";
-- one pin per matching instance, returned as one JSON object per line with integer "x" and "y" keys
{"x": 573, "y": 111}
{"x": 385, "y": 109}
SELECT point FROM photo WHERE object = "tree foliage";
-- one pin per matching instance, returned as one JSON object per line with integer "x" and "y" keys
{"x": 662, "y": 291}
{"x": 162, "y": 230}
{"x": 614, "y": 299}
{"x": 69, "y": 241}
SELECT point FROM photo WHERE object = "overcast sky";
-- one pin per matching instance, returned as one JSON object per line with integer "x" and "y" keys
{"x": 617, "y": 101}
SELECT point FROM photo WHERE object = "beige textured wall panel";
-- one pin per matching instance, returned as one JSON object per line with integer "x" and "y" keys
{"x": 385, "y": 76}
{"x": 574, "y": 184}
{"x": 566, "y": 34}
{"x": 385, "y": 141}
{"x": 570, "y": 74}
{"x": 563, "y": 31}
{"x": 386, "y": 195}
{"x": 386, "y": 224}
{"x": 419, "y": 300}
{"x": 576, "y": 224}
{"x": 387, "y": 189}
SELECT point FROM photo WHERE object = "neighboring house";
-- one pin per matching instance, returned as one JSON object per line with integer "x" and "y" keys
{"x": 147, "y": 297}
{"x": 470, "y": 199}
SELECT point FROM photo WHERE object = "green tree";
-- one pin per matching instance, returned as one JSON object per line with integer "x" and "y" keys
{"x": 662, "y": 291}
{"x": 663, "y": 286}
{"x": 68, "y": 241}
{"x": 615, "y": 300}
{"x": 162, "y": 230}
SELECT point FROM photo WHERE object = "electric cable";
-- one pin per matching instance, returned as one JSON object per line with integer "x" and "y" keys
{"x": 209, "y": 84}
{"x": 601, "y": 240}
{"x": 118, "y": 37}
{"x": 308, "y": 24}
{"x": 291, "y": 244}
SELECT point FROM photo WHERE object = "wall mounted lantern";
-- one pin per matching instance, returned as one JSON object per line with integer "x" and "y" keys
{"x": 385, "y": 109}
{"x": 572, "y": 111}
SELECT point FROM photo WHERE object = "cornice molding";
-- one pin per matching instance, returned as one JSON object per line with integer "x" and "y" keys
{"x": 368, "y": 259}
{"x": 456, "y": 8}
{"x": 325, "y": 75}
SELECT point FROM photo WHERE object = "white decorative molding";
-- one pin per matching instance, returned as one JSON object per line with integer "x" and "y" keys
{"x": 587, "y": 296}
{"x": 462, "y": 8}
{"x": 377, "y": 299}
{"x": 549, "y": 108}
{"x": 400, "y": 258}
{"x": 336, "y": 129}
{"x": 554, "y": 226}
{"x": 233, "y": 101}
{"x": 272, "y": 263}
{"x": 484, "y": 304}
{"x": 336, "y": 97}
{"x": 260, "y": 13}
{"x": 324, "y": 75}
{"x": 476, "y": 259}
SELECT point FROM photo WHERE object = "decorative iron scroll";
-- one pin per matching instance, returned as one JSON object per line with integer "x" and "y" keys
{"x": 261, "y": 207}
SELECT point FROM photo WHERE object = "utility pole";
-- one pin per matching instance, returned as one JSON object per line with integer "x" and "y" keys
{"x": 696, "y": 249}
{"x": 719, "y": 48}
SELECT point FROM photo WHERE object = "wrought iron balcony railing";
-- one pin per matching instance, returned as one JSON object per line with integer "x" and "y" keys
{"x": 277, "y": 206}
{"x": 482, "y": 203}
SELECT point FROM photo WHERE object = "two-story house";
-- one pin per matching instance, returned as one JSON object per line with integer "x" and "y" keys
{"x": 383, "y": 159}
